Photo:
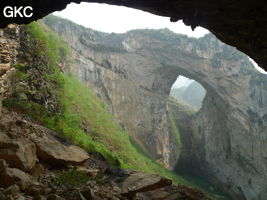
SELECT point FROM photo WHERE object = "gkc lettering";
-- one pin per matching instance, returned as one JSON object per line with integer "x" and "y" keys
{"x": 20, "y": 11}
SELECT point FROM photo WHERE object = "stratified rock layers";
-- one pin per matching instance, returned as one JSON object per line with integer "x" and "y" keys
{"x": 134, "y": 72}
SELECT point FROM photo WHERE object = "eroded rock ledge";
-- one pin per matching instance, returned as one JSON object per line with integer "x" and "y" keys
{"x": 26, "y": 173}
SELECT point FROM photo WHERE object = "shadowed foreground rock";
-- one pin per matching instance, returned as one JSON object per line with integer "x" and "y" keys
{"x": 12, "y": 176}
{"x": 55, "y": 153}
{"x": 135, "y": 182}
{"x": 46, "y": 182}
{"x": 19, "y": 153}
{"x": 21, "y": 150}
{"x": 174, "y": 193}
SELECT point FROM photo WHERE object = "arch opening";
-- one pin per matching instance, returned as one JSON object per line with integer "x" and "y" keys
{"x": 184, "y": 102}
{"x": 187, "y": 98}
{"x": 188, "y": 92}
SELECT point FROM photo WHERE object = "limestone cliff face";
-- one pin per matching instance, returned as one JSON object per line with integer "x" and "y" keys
{"x": 229, "y": 134}
{"x": 134, "y": 72}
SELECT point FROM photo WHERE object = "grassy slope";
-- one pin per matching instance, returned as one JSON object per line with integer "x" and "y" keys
{"x": 175, "y": 131}
{"x": 179, "y": 109}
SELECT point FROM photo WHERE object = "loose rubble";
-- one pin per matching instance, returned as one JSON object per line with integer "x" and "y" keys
{"x": 36, "y": 164}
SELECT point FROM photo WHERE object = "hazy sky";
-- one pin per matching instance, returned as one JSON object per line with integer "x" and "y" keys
{"x": 118, "y": 19}
{"x": 181, "y": 81}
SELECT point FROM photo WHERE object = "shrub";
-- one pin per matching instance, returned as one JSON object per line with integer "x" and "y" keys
{"x": 71, "y": 178}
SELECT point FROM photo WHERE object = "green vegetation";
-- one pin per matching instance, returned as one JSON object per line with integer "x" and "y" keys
{"x": 50, "y": 49}
{"x": 177, "y": 112}
{"x": 21, "y": 71}
{"x": 179, "y": 109}
{"x": 53, "y": 47}
{"x": 175, "y": 131}
{"x": 71, "y": 178}
{"x": 2, "y": 196}
{"x": 82, "y": 106}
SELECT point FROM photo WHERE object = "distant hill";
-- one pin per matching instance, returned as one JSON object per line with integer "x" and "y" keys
{"x": 191, "y": 95}
{"x": 177, "y": 93}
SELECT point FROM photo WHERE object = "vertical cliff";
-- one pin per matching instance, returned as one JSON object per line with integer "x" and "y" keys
{"x": 133, "y": 73}
{"x": 229, "y": 136}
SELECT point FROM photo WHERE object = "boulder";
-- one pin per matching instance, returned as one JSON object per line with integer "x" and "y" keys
{"x": 36, "y": 189}
{"x": 12, "y": 176}
{"x": 88, "y": 194}
{"x": 3, "y": 166}
{"x": 12, "y": 190}
{"x": 9, "y": 197}
{"x": 54, "y": 197}
{"x": 162, "y": 193}
{"x": 89, "y": 172}
{"x": 6, "y": 121}
{"x": 172, "y": 192}
{"x": 18, "y": 153}
{"x": 57, "y": 154}
{"x": 136, "y": 182}
{"x": 38, "y": 171}
{"x": 76, "y": 195}
{"x": 4, "y": 67}
{"x": 21, "y": 197}
{"x": 40, "y": 197}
